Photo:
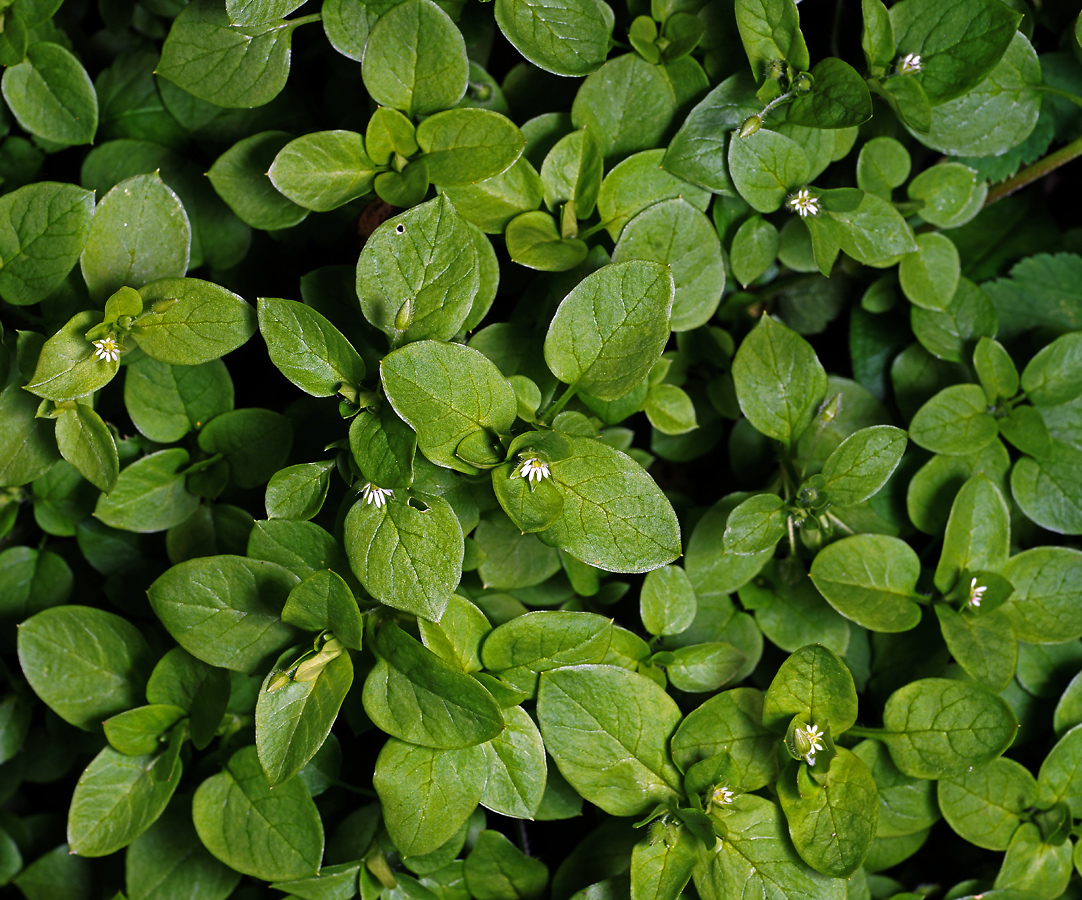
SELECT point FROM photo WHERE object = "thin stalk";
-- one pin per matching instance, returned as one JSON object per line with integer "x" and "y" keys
{"x": 857, "y": 731}
{"x": 305, "y": 20}
{"x": 1035, "y": 172}
{"x": 560, "y": 404}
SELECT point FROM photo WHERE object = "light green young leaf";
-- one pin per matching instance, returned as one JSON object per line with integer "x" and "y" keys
{"x": 766, "y": 166}
{"x": 756, "y": 525}
{"x": 949, "y": 333}
{"x": 150, "y": 494}
{"x": 607, "y": 729}
{"x": 238, "y": 66}
{"x": 117, "y": 798}
{"x": 135, "y": 732}
{"x": 383, "y": 447}
{"x": 870, "y": 579}
{"x": 415, "y": 60}
{"x": 407, "y": 558}
{"x": 86, "y": 664}
{"x": 323, "y": 170}
{"x": 770, "y": 31}
{"x": 298, "y": 492}
{"x": 567, "y": 37}
{"x": 43, "y": 228}
{"x": 1043, "y": 607}
{"x": 68, "y": 366}
{"x": 225, "y": 610}
{"x": 950, "y": 192}
{"x": 874, "y": 232}
{"x": 516, "y": 767}
{"x": 815, "y": 684}
{"x": 255, "y": 12}
{"x": 492, "y": 204}
{"x": 533, "y": 241}
{"x": 273, "y": 834}
{"x": 754, "y": 248}
{"x": 883, "y": 164}
{"x": 930, "y": 276}
{"x": 877, "y": 38}
{"x": 1054, "y": 375}
{"x": 51, "y": 95}
{"x": 85, "y": 441}
{"x": 667, "y": 603}
{"x": 660, "y": 868}
{"x": 1034, "y": 866}
{"x": 937, "y": 727}
{"x": 638, "y": 182}
{"x": 572, "y": 171}
{"x": 464, "y": 146}
{"x": 978, "y": 536}
{"x": 862, "y": 463}
{"x": 839, "y": 98}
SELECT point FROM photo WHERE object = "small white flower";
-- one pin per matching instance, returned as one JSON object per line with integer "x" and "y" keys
{"x": 804, "y": 203}
{"x": 377, "y": 496}
{"x": 909, "y": 64}
{"x": 533, "y": 470}
{"x": 976, "y": 593}
{"x": 813, "y": 734}
{"x": 722, "y": 796}
{"x": 107, "y": 348}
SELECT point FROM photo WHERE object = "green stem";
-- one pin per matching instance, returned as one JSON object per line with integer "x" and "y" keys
{"x": 1059, "y": 92}
{"x": 306, "y": 20}
{"x": 1035, "y": 172}
{"x": 560, "y": 404}
{"x": 858, "y": 731}
{"x": 592, "y": 230}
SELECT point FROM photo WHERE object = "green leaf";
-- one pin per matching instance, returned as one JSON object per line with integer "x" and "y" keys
{"x": 27, "y": 448}
{"x": 516, "y": 767}
{"x": 169, "y": 855}
{"x": 766, "y": 166}
{"x": 497, "y": 870}
{"x": 307, "y": 348}
{"x": 949, "y": 333}
{"x": 298, "y": 492}
{"x": 667, "y": 603}
{"x": 255, "y": 442}
{"x": 995, "y": 369}
{"x": 770, "y": 31}
{"x": 567, "y": 37}
{"x": 417, "y": 275}
{"x": 756, "y": 525}
{"x": 427, "y": 794}
{"x": 883, "y": 165}
{"x": 877, "y": 38}
{"x": 950, "y": 192}
{"x": 702, "y": 668}
{"x": 874, "y": 232}
{"x": 463, "y": 146}
{"x": 959, "y": 42}
{"x": 607, "y": 729}
{"x": 225, "y": 610}
{"x": 189, "y": 321}
{"x": 533, "y": 241}
{"x": 1047, "y": 490}
{"x": 680, "y": 237}
{"x": 870, "y": 579}
{"x": 117, "y": 798}
{"x": 832, "y": 828}
{"x": 627, "y": 104}
{"x": 43, "y": 228}
{"x": 85, "y": 664}
{"x": 930, "y": 276}
{"x": 983, "y": 645}
{"x": 240, "y": 178}
{"x": 572, "y": 170}
{"x": 302, "y": 547}
{"x": 68, "y": 366}
{"x": 1043, "y": 607}
{"x": 519, "y": 650}
{"x": 415, "y": 696}
{"x": 150, "y": 494}
{"x": 815, "y": 684}
{"x": 166, "y": 402}
{"x": 1058, "y": 779}
{"x": 906, "y": 805}
{"x": 611, "y": 329}
{"x": 323, "y": 601}
{"x": 937, "y": 728}
{"x": 383, "y": 447}
{"x": 415, "y": 60}
{"x": 323, "y": 170}
{"x": 446, "y": 392}
{"x": 136, "y": 731}
{"x": 85, "y": 441}
{"x": 754, "y": 248}
{"x": 269, "y": 833}
{"x": 407, "y": 558}
{"x": 51, "y": 95}
{"x": 956, "y": 420}
{"x": 638, "y": 182}
{"x": 661, "y": 866}
{"x": 978, "y": 533}
{"x": 614, "y": 516}
{"x": 1034, "y": 866}
{"x": 512, "y": 559}
{"x": 239, "y": 66}
{"x": 839, "y": 98}
{"x": 492, "y": 204}
{"x": 779, "y": 380}
{"x": 292, "y": 722}
{"x": 1052, "y": 376}
{"x": 862, "y": 464}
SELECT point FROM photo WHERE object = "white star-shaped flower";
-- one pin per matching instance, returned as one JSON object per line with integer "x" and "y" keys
{"x": 722, "y": 795}
{"x": 377, "y": 496}
{"x": 976, "y": 593}
{"x": 107, "y": 348}
{"x": 909, "y": 64}
{"x": 533, "y": 470}
{"x": 804, "y": 203}
{"x": 813, "y": 734}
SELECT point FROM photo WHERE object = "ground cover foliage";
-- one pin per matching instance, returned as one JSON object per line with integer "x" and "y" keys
{"x": 646, "y": 460}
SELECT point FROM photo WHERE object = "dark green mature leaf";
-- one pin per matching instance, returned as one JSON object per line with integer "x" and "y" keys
{"x": 766, "y": 166}
{"x": 150, "y": 494}
{"x": 415, "y": 696}
{"x": 661, "y": 865}
{"x": 779, "y": 380}
{"x": 955, "y": 420}
{"x": 608, "y": 729}
{"x": 1058, "y": 779}
{"x": 415, "y": 60}
{"x": 255, "y": 442}
{"x": 188, "y": 321}
{"x": 307, "y": 348}
{"x": 383, "y": 446}
{"x": 985, "y": 645}
{"x": 85, "y": 441}
{"x": 427, "y": 794}
{"x": 86, "y": 664}
{"x": 417, "y": 276}
{"x": 298, "y": 492}
{"x": 324, "y": 601}
{"x": 862, "y": 463}
{"x": 611, "y": 329}
{"x": 638, "y": 182}
{"x": 517, "y": 774}
{"x": 493, "y": 203}
{"x": 978, "y": 533}
{"x": 832, "y": 828}
{"x": 533, "y": 241}
{"x": 292, "y": 722}
{"x": 463, "y": 146}
{"x": 27, "y": 446}
{"x": 446, "y": 392}
{"x": 1043, "y": 608}
{"x": 838, "y": 99}
{"x": 228, "y": 65}
{"x": 166, "y": 402}
{"x": 959, "y": 42}
{"x": 52, "y": 96}
{"x": 117, "y": 798}
{"x": 567, "y": 37}
{"x": 255, "y": 12}
{"x": 240, "y": 178}
{"x": 272, "y": 834}
{"x": 1048, "y": 490}
{"x": 667, "y": 603}
{"x": 572, "y": 170}
{"x": 1053, "y": 375}
{"x": 497, "y": 870}
{"x": 906, "y": 805}
{"x": 770, "y": 30}
{"x": 406, "y": 557}
{"x": 136, "y": 731}
{"x": 936, "y": 727}
{"x": 324, "y": 170}
{"x": 756, "y": 525}
{"x": 43, "y": 228}
{"x": 225, "y": 610}
{"x": 68, "y": 366}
